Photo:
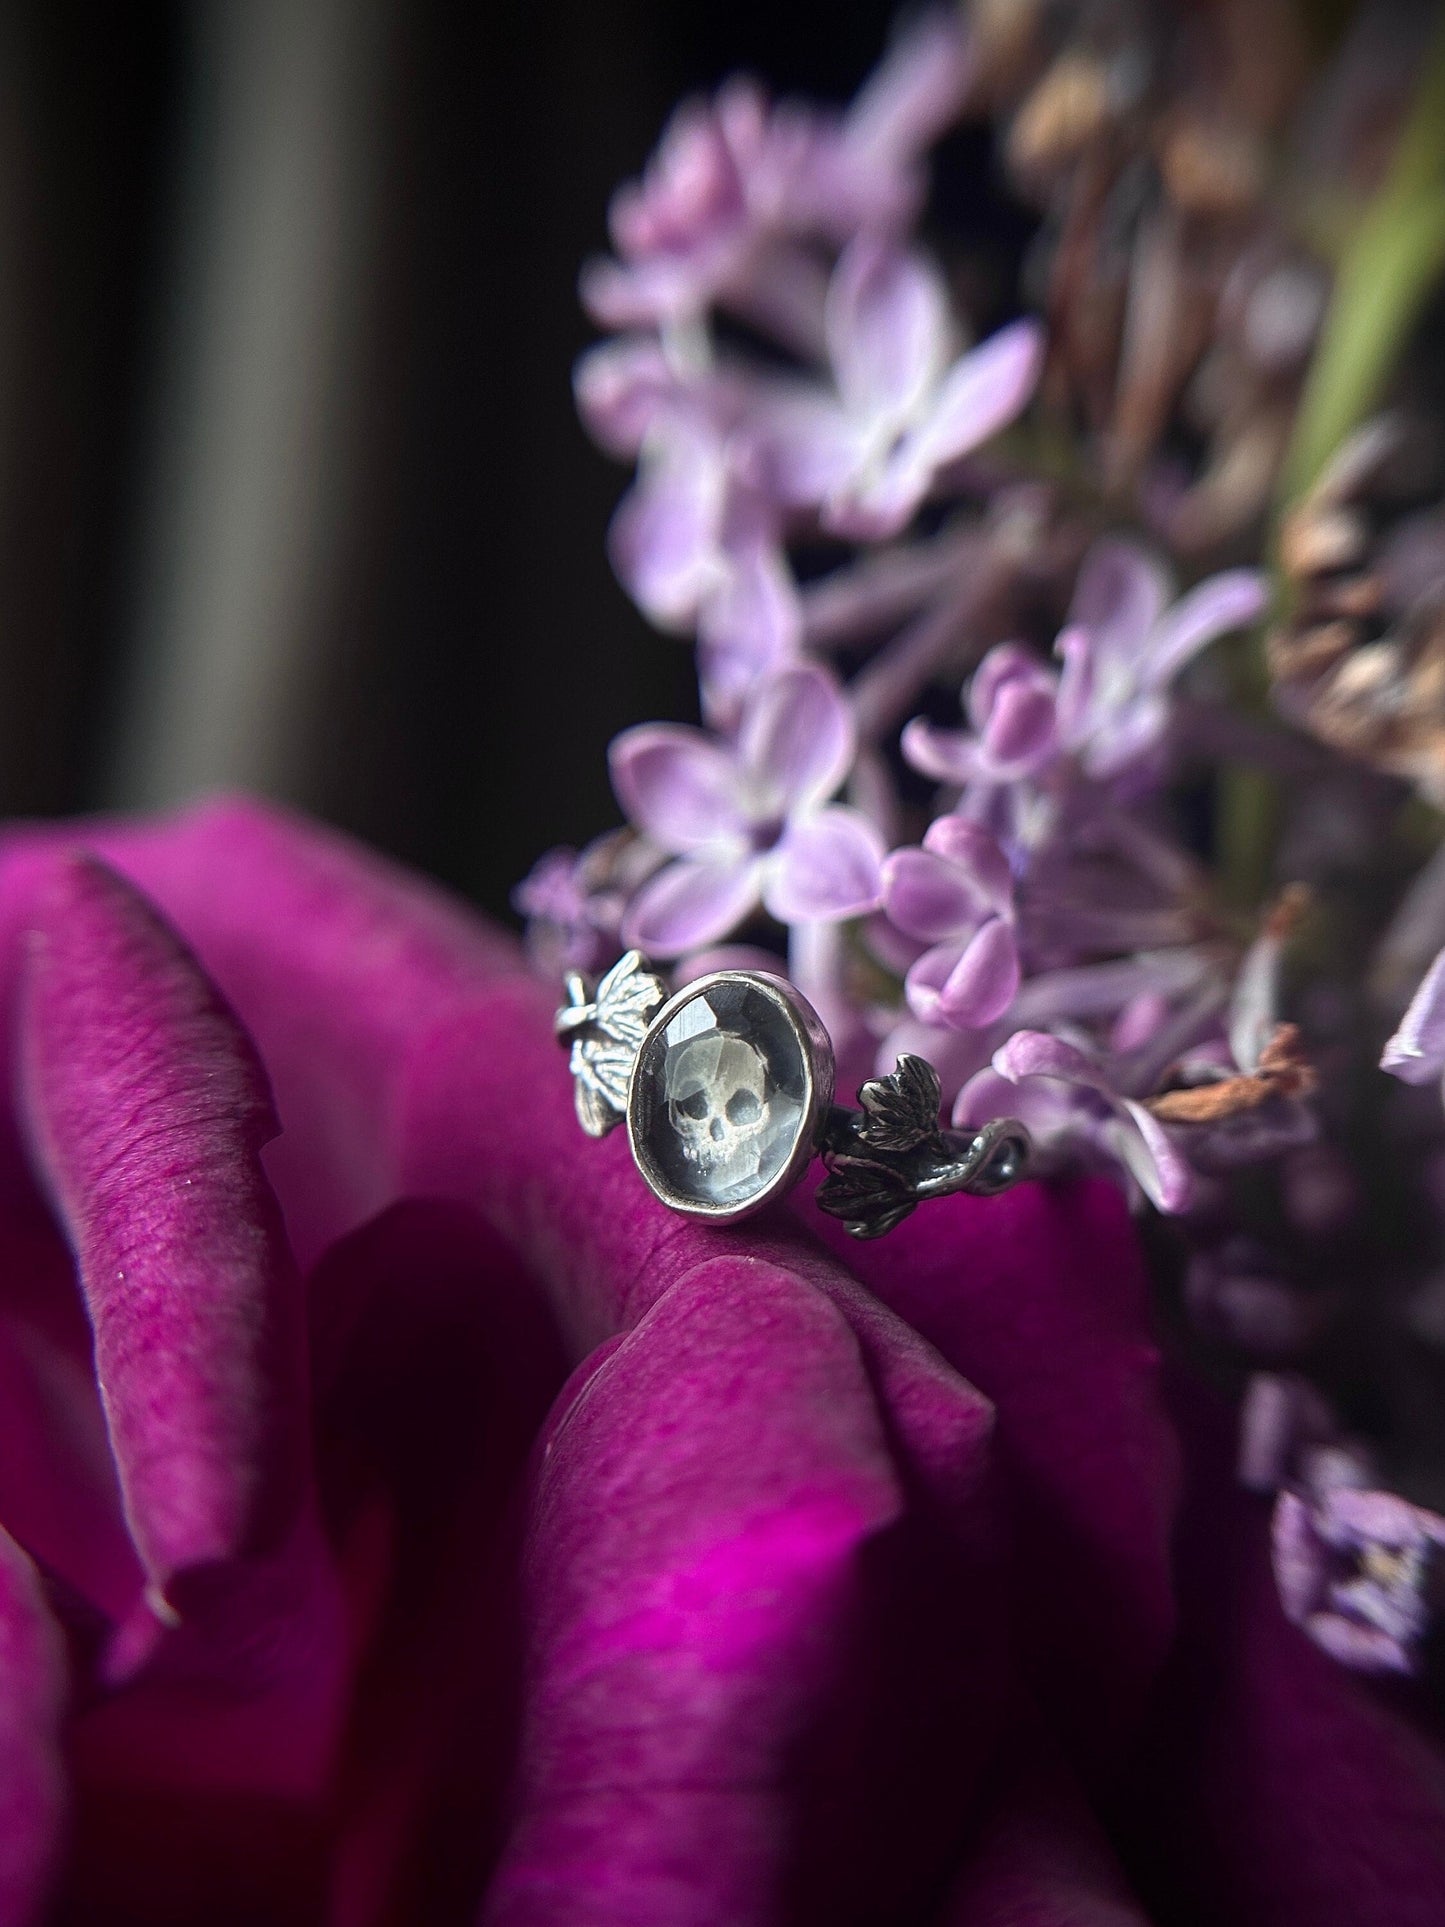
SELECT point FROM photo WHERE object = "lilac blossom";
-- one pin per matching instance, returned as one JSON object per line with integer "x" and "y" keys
{"x": 693, "y": 542}
{"x": 1071, "y": 1101}
{"x": 1360, "y": 1572}
{"x": 737, "y": 182}
{"x": 1011, "y": 702}
{"x": 955, "y": 894}
{"x": 1109, "y": 708}
{"x": 748, "y": 820}
{"x": 904, "y": 402}
{"x": 1125, "y": 643}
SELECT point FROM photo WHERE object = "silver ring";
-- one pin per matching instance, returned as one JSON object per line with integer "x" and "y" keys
{"x": 726, "y": 1088}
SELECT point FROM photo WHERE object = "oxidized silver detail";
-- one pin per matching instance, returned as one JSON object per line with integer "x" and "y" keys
{"x": 727, "y": 1089}
{"x": 605, "y": 1032}
{"x": 888, "y": 1158}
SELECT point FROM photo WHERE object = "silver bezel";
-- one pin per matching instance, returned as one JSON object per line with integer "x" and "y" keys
{"x": 816, "y": 1049}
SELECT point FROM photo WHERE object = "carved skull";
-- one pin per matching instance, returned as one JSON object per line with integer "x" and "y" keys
{"x": 719, "y": 1105}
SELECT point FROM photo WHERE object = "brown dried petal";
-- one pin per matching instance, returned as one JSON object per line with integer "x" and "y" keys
{"x": 1284, "y": 1071}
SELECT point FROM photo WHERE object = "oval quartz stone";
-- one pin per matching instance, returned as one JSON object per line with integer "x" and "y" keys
{"x": 726, "y": 1094}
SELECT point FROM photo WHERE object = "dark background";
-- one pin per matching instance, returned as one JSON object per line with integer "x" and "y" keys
{"x": 292, "y": 494}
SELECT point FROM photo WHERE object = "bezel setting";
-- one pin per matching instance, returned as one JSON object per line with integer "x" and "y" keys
{"x": 806, "y": 1032}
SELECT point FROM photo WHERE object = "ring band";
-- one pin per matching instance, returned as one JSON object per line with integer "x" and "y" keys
{"x": 726, "y": 1089}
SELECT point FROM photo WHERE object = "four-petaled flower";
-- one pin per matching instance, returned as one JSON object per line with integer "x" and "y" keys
{"x": 904, "y": 404}
{"x": 748, "y": 819}
{"x": 1126, "y": 641}
{"x": 1011, "y": 701}
{"x": 738, "y": 181}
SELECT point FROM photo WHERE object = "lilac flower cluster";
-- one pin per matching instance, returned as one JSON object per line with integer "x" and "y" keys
{"x": 856, "y": 511}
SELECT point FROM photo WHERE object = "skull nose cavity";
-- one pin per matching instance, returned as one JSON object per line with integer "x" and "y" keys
{"x": 717, "y": 1130}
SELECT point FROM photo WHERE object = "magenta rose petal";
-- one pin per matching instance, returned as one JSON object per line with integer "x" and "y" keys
{"x": 1038, "y": 1854}
{"x": 149, "y": 1109}
{"x": 699, "y": 1597}
{"x": 32, "y": 1698}
{"x": 608, "y": 1253}
{"x": 1289, "y": 1791}
{"x": 333, "y": 958}
{"x": 1040, "y": 1299}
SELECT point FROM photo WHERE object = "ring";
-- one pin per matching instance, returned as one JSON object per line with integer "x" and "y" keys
{"x": 726, "y": 1089}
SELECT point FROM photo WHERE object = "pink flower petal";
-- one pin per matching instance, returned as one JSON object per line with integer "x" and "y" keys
{"x": 1231, "y": 600}
{"x": 827, "y": 867}
{"x": 796, "y": 741}
{"x": 149, "y": 1110}
{"x": 692, "y": 902}
{"x": 984, "y": 981}
{"x": 678, "y": 785}
{"x": 890, "y": 329}
{"x": 1005, "y": 664}
{"x": 913, "y": 95}
{"x": 620, "y": 386}
{"x": 748, "y": 631}
{"x": 947, "y": 755}
{"x": 1120, "y": 596}
{"x": 1022, "y": 727}
{"x": 1149, "y": 1154}
{"x": 982, "y": 393}
{"x": 664, "y": 538}
{"x": 1035, "y": 1053}
{"x": 976, "y": 851}
{"x": 929, "y": 897}
{"x": 1416, "y": 1052}
{"x": 923, "y": 985}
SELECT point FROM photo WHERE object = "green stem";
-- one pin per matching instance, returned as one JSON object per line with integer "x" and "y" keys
{"x": 1389, "y": 266}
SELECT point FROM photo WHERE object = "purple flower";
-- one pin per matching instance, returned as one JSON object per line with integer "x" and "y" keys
{"x": 1361, "y": 1572}
{"x": 688, "y": 231}
{"x": 863, "y": 170}
{"x": 737, "y": 181}
{"x": 1416, "y": 1052}
{"x": 1011, "y": 702}
{"x": 694, "y": 542}
{"x": 574, "y": 902}
{"x": 748, "y": 819}
{"x": 1126, "y": 642}
{"x": 1072, "y": 1104}
{"x": 904, "y": 403}
{"x": 955, "y": 894}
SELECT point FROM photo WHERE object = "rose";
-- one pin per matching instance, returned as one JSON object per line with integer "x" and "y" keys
{"x": 883, "y": 1583}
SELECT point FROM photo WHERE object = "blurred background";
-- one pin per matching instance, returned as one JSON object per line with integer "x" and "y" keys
{"x": 292, "y": 493}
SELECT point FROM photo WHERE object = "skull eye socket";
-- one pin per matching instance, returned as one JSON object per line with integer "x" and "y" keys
{"x": 743, "y": 1107}
{"x": 694, "y": 1105}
